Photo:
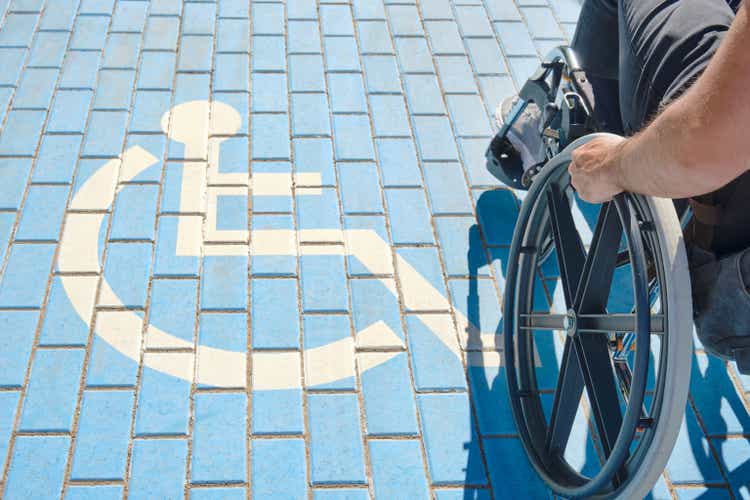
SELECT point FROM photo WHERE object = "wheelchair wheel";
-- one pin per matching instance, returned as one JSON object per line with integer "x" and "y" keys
{"x": 613, "y": 356}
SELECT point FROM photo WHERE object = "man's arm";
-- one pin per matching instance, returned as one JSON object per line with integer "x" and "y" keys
{"x": 696, "y": 145}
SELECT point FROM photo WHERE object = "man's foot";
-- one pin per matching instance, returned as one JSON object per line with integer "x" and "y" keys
{"x": 525, "y": 134}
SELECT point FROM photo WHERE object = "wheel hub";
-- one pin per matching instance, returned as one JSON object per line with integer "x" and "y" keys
{"x": 570, "y": 323}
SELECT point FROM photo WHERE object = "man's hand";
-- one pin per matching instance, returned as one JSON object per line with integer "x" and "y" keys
{"x": 594, "y": 169}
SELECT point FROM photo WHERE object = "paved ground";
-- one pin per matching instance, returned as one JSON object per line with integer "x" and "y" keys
{"x": 137, "y": 354}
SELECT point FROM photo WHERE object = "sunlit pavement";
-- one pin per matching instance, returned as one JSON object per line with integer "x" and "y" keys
{"x": 251, "y": 249}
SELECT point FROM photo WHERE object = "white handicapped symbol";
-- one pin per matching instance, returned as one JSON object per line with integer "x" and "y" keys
{"x": 188, "y": 124}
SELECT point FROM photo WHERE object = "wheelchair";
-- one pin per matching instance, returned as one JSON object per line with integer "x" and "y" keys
{"x": 619, "y": 332}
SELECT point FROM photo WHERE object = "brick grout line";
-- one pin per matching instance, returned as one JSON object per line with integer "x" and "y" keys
{"x": 250, "y": 207}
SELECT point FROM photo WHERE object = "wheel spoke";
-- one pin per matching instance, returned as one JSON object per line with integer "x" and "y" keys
{"x": 607, "y": 323}
{"x": 565, "y": 403}
{"x": 571, "y": 255}
{"x": 542, "y": 321}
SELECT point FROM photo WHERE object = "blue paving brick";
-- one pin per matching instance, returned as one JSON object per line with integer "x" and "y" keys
{"x": 275, "y": 315}
{"x": 398, "y": 163}
{"x": 277, "y": 203}
{"x": 50, "y": 398}
{"x": 497, "y": 211}
{"x": 304, "y": 37}
{"x": 315, "y": 155}
{"x": 108, "y": 367}
{"x": 18, "y": 29}
{"x": 360, "y": 190}
{"x": 269, "y": 53}
{"x": 414, "y": 55}
{"x": 277, "y": 412}
{"x": 388, "y": 397}
{"x": 460, "y": 493}
{"x": 122, "y": 51}
{"x": 428, "y": 351}
{"x": 322, "y": 330}
{"x": 490, "y": 398}
{"x": 468, "y": 115}
{"x": 368, "y": 10}
{"x": 191, "y": 87}
{"x": 376, "y": 225}
{"x": 129, "y": 17}
{"x": 716, "y": 398}
{"x": 134, "y": 213}
{"x": 306, "y": 73}
{"x": 13, "y": 59}
{"x": 234, "y": 9}
{"x": 224, "y": 284}
{"x": 446, "y": 189}
{"x": 301, "y": 9}
{"x": 173, "y": 305}
{"x": 97, "y": 492}
{"x": 473, "y": 21}
{"x": 213, "y": 493}
{"x": 318, "y": 211}
{"x": 445, "y": 38}
{"x": 702, "y": 493}
{"x": 270, "y": 137}
{"x": 515, "y": 39}
{"x": 323, "y": 283}
{"x": 166, "y": 7}
{"x": 269, "y": 93}
{"x": 506, "y": 454}
{"x": 148, "y": 109}
{"x": 347, "y": 93}
{"x": 166, "y": 262}
{"x": 80, "y": 70}
{"x": 352, "y": 137}
{"x": 36, "y": 88}
{"x": 409, "y": 216}
{"x": 437, "y": 9}
{"x": 336, "y": 450}
{"x": 435, "y": 138}
{"x": 503, "y": 10}
{"x": 456, "y": 74}
{"x": 487, "y": 302}
{"x": 461, "y": 246}
{"x": 374, "y": 37}
{"x": 103, "y": 435}
{"x": 8, "y": 405}
{"x": 157, "y": 70}
{"x": 14, "y": 172}
{"x": 15, "y": 346}
{"x": 231, "y": 72}
{"x": 485, "y": 56}
{"x": 268, "y": 19}
{"x": 450, "y": 439}
{"x": 161, "y": 33}
{"x": 542, "y": 23}
{"x": 37, "y": 467}
{"x": 21, "y": 133}
{"x": 6, "y": 93}
{"x": 397, "y": 469}
{"x": 69, "y": 111}
{"x": 310, "y": 115}
{"x": 239, "y": 101}
{"x": 405, "y": 20}
{"x": 59, "y": 15}
{"x": 472, "y": 155}
{"x": 199, "y": 18}
{"x": 102, "y": 7}
{"x": 495, "y": 89}
{"x": 25, "y": 278}
{"x": 341, "y": 53}
{"x": 158, "y": 468}
{"x": 43, "y": 213}
{"x": 734, "y": 453}
{"x": 61, "y": 324}
{"x": 105, "y": 133}
{"x": 279, "y": 468}
{"x": 373, "y": 303}
{"x": 691, "y": 460}
{"x": 57, "y": 158}
{"x": 274, "y": 265}
{"x": 233, "y": 155}
{"x": 336, "y": 20}
{"x": 566, "y": 10}
{"x": 423, "y": 94}
{"x": 219, "y": 443}
{"x": 389, "y": 116}
{"x": 163, "y": 405}
{"x": 340, "y": 494}
{"x": 231, "y": 213}
{"x": 425, "y": 261}
{"x": 224, "y": 331}
{"x": 7, "y": 220}
{"x": 522, "y": 68}
{"x": 127, "y": 270}
{"x": 381, "y": 74}
{"x": 195, "y": 53}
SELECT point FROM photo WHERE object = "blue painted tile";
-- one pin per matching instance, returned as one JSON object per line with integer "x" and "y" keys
{"x": 319, "y": 210}
{"x": 275, "y": 315}
{"x": 195, "y": 53}
{"x": 347, "y": 93}
{"x": 472, "y": 154}
{"x": 269, "y": 93}
{"x": 277, "y": 412}
{"x": 21, "y": 133}
{"x": 318, "y": 332}
{"x": 446, "y": 189}
{"x": 219, "y": 438}
{"x": 460, "y": 493}
{"x": 13, "y": 59}
{"x": 497, "y": 211}
{"x": 158, "y": 468}
{"x": 375, "y": 225}
{"x": 232, "y": 72}
{"x": 352, "y": 137}
{"x": 224, "y": 331}
{"x": 50, "y": 398}
{"x": 108, "y": 367}
{"x": 127, "y": 270}
{"x": 398, "y": 163}
{"x": 323, "y": 283}
{"x": 6, "y": 93}
{"x": 301, "y": 9}
{"x": 336, "y": 450}
{"x": 716, "y": 398}
{"x": 59, "y": 15}
{"x": 374, "y": 37}
{"x": 173, "y": 305}
{"x": 405, "y": 20}
{"x": 503, "y": 10}
{"x": 450, "y": 439}
{"x": 409, "y": 216}
{"x": 397, "y": 469}
{"x": 129, "y": 17}
{"x": 18, "y": 29}
{"x": 166, "y": 262}
{"x": 413, "y": 55}
{"x": 310, "y": 115}
{"x": 240, "y": 101}
{"x": 43, "y": 213}
{"x": 103, "y": 492}
{"x": 445, "y": 38}
{"x": 734, "y": 453}
{"x": 163, "y": 401}
{"x": 341, "y": 494}
{"x": 231, "y": 212}
{"x": 62, "y": 325}
{"x": 102, "y": 7}
{"x": 702, "y": 493}
{"x": 360, "y": 188}
{"x": 122, "y": 51}
{"x": 279, "y": 468}
{"x": 341, "y": 53}
{"x": 306, "y": 73}
{"x": 269, "y": 53}
{"x": 268, "y": 19}
{"x": 148, "y": 110}
{"x": 36, "y": 88}
{"x": 192, "y": 87}
{"x": 134, "y": 213}
{"x": 389, "y": 116}
{"x": 315, "y": 155}
{"x": 114, "y": 89}
{"x": 274, "y": 265}
{"x": 515, "y": 39}
{"x": 224, "y": 284}
{"x": 372, "y": 303}
{"x": 461, "y": 246}
{"x": 157, "y": 70}
{"x": 199, "y": 19}
{"x": 304, "y": 37}
{"x": 495, "y": 89}
{"x": 381, "y": 74}
{"x": 429, "y": 351}
{"x": 473, "y": 21}
{"x": 388, "y": 396}
{"x": 468, "y": 115}
{"x": 8, "y": 406}
{"x": 37, "y": 467}
{"x": 521, "y": 68}
{"x": 505, "y": 454}
{"x": 105, "y": 134}
{"x": 270, "y": 137}
{"x": 90, "y": 33}
{"x": 161, "y": 33}
{"x": 69, "y": 111}
{"x": 437, "y": 9}
{"x": 485, "y": 56}
{"x": 14, "y": 172}
{"x": 456, "y": 74}
{"x": 25, "y": 278}
{"x": 233, "y": 153}
{"x": 264, "y": 202}
{"x": 80, "y": 70}
{"x": 166, "y": 7}
{"x": 691, "y": 460}
{"x": 103, "y": 434}
{"x": 542, "y": 23}
{"x": 233, "y": 35}
{"x": 435, "y": 138}
{"x": 363, "y": 9}
{"x": 425, "y": 261}
{"x": 224, "y": 493}
{"x": 336, "y": 20}
{"x": 7, "y": 221}
{"x": 57, "y": 158}
{"x": 423, "y": 94}
{"x": 490, "y": 397}
{"x": 15, "y": 346}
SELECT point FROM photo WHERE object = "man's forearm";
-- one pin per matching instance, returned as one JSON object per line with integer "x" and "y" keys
{"x": 701, "y": 141}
